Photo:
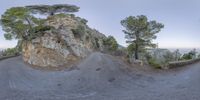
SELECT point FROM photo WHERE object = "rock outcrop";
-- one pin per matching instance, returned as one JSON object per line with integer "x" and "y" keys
{"x": 69, "y": 40}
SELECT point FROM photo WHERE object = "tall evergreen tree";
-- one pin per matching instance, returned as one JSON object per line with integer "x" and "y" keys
{"x": 140, "y": 32}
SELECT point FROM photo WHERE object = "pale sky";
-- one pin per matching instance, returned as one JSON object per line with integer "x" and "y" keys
{"x": 180, "y": 17}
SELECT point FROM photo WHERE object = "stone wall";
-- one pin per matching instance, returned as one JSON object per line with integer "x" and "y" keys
{"x": 6, "y": 57}
{"x": 182, "y": 63}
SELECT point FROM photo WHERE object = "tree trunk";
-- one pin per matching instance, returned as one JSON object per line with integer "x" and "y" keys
{"x": 29, "y": 23}
{"x": 136, "y": 46}
{"x": 136, "y": 51}
{"x": 52, "y": 13}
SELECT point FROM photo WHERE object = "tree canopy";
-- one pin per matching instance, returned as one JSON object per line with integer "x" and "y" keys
{"x": 53, "y": 9}
{"x": 21, "y": 23}
{"x": 18, "y": 23}
{"x": 140, "y": 32}
{"x": 12, "y": 22}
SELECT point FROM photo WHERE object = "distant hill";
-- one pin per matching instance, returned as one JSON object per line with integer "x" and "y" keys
{"x": 184, "y": 50}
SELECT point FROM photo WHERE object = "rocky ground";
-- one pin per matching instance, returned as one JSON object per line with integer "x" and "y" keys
{"x": 69, "y": 40}
{"x": 98, "y": 77}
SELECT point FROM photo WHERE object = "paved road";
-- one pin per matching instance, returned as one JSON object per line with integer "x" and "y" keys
{"x": 99, "y": 77}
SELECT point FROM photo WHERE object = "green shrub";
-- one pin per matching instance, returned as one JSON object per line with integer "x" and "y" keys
{"x": 154, "y": 64}
{"x": 10, "y": 52}
{"x": 84, "y": 21}
{"x": 152, "y": 61}
{"x": 37, "y": 31}
{"x": 110, "y": 43}
{"x": 186, "y": 57}
{"x": 78, "y": 31}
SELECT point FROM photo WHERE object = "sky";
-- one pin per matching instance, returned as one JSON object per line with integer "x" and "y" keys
{"x": 180, "y": 17}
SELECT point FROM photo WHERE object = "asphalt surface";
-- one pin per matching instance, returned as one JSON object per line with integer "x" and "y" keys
{"x": 98, "y": 77}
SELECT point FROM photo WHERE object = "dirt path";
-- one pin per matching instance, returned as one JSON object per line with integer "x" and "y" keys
{"x": 99, "y": 77}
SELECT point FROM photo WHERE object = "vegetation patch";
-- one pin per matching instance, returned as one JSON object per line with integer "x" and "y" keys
{"x": 10, "y": 52}
{"x": 110, "y": 43}
{"x": 79, "y": 31}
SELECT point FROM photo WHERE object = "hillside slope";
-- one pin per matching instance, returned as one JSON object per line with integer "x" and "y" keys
{"x": 69, "y": 40}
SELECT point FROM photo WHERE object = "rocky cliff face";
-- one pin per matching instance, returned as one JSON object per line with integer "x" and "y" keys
{"x": 70, "y": 40}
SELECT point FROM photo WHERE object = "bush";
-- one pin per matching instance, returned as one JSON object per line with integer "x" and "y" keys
{"x": 10, "y": 52}
{"x": 154, "y": 64}
{"x": 188, "y": 56}
{"x": 78, "y": 31}
{"x": 120, "y": 52}
{"x": 110, "y": 43}
{"x": 152, "y": 61}
{"x": 84, "y": 21}
{"x": 37, "y": 31}
{"x": 168, "y": 57}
